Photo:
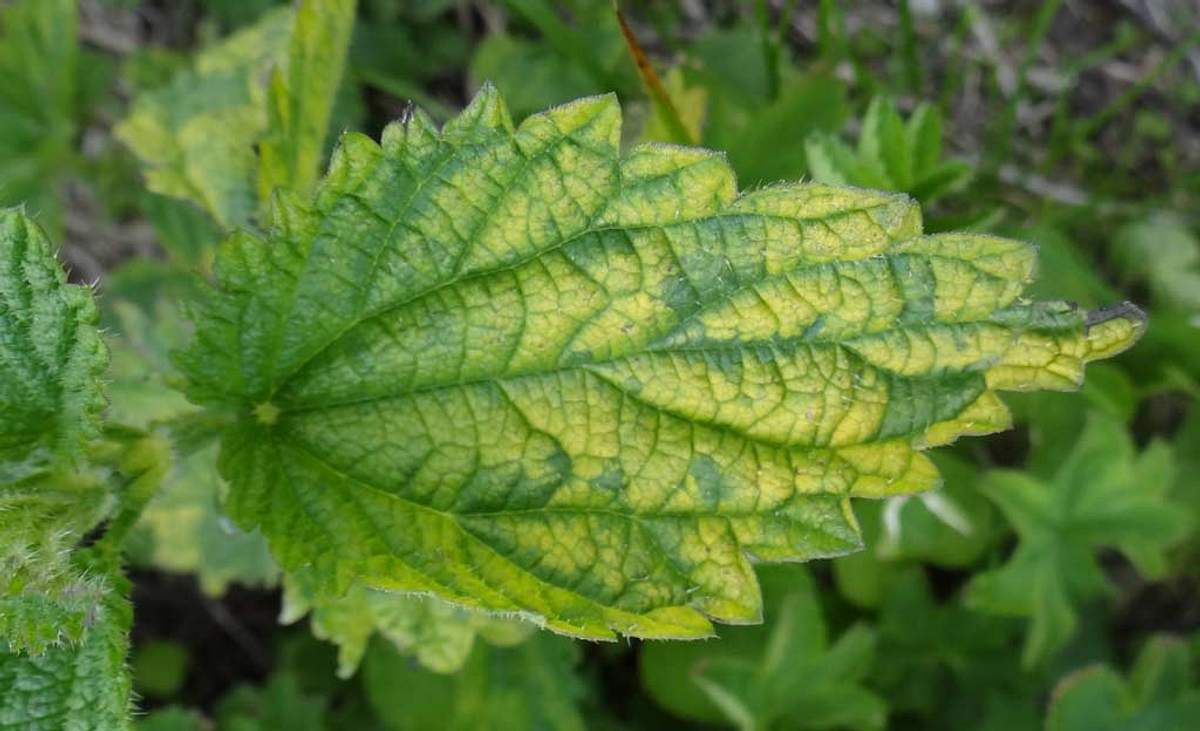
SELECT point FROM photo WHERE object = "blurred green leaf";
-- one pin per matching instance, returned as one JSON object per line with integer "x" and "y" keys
{"x": 159, "y": 668}
{"x": 530, "y": 686}
{"x": 891, "y": 154}
{"x": 280, "y": 704}
{"x": 1164, "y": 252}
{"x": 301, "y": 96}
{"x": 784, "y": 674}
{"x": 1160, "y": 693}
{"x": 39, "y": 75}
{"x": 1105, "y": 494}
{"x": 196, "y": 135}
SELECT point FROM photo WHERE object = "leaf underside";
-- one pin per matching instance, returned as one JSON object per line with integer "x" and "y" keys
{"x": 525, "y": 373}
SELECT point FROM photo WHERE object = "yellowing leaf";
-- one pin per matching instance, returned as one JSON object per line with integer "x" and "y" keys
{"x": 196, "y": 135}
{"x": 438, "y": 634}
{"x": 520, "y": 371}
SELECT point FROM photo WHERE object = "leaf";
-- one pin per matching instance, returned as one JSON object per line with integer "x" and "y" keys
{"x": 301, "y": 97}
{"x": 84, "y": 686}
{"x": 182, "y": 528}
{"x": 511, "y": 369}
{"x": 785, "y": 673}
{"x": 39, "y": 59}
{"x": 891, "y": 154}
{"x": 195, "y": 137}
{"x": 529, "y": 686}
{"x": 51, "y": 355}
{"x": 280, "y": 704}
{"x": 438, "y": 634}
{"x": 186, "y": 532}
{"x": 1162, "y": 250}
{"x": 1160, "y": 695}
{"x": 51, "y": 362}
{"x": 1104, "y": 494}
{"x": 955, "y": 667}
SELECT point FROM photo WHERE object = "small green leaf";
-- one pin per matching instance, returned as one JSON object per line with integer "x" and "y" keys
{"x": 512, "y": 368}
{"x": 785, "y": 674}
{"x": 1160, "y": 695}
{"x": 280, "y": 704}
{"x": 530, "y": 686}
{"x": 438, "y": 634}
{"x": 301, "y": 97}
{"x": 891, "y": 154}
{"x": 1104, "y": 494}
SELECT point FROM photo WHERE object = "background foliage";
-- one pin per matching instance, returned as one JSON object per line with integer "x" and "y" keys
{"x": 1053, "y": 582}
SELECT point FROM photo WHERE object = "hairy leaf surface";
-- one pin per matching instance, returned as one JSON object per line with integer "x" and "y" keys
{"x": 51, "y": 361}
{"x": 85, "y": 686}
{"x": 523, "y": 372}
{"x": 51, "y": 355}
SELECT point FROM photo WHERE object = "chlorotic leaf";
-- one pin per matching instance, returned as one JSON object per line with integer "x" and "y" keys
{"x": 508, "y": 367}
{"x": 195, "y": 136}
{"x": 301, "y": 96}
{"x": 438, "y": 634}
{"x": 84, "y": 686}
{"x": 1105, "y": 494}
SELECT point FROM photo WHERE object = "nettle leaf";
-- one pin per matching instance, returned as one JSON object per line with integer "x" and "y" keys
{"x": 514, "y": 369}
{"x": 1105, "y": 494}
{"x": 51, "y": 355}
{"x": 438, "y": 634}
{"x": 51, "y": 362}
{"x": 84, "y": 686}
{"x": 301, "y": 99}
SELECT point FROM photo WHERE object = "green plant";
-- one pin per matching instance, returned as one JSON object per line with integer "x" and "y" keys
{"x": 488, "y": 376}
{"x": 331, "y": 381}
